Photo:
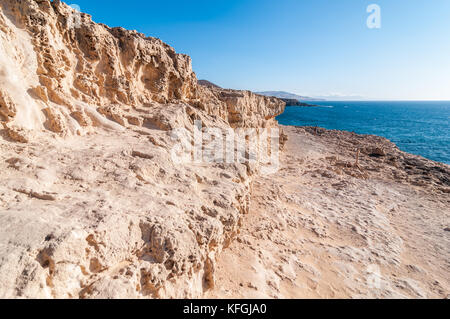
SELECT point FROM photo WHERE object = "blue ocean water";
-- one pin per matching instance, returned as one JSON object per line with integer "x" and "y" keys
{"x": 421, "y": 128}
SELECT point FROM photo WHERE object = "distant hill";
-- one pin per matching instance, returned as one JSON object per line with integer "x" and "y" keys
{"x": 287, "y": 95}
{"x": 208, "y": 84}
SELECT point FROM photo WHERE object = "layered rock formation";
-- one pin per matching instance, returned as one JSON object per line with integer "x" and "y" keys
{"x": 91, "y": 203}
{"x": 65, "y": 68}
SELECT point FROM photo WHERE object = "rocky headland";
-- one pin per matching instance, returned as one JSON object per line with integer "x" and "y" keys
{"x": 92, "y": 204}
{"x": 294, "y": 102}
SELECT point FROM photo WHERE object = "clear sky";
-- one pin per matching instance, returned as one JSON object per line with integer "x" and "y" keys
{"x": 308, "y": 47}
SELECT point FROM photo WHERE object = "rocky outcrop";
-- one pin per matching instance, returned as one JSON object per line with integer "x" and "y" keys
{"x": 92, "y": 204}
{"x": 294, "y": 102}
{"x": 64, "y": 60}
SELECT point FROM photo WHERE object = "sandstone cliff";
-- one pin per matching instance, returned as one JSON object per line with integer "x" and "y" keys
{"x": 67, "y": 69}
{"x": 91, "y": 204}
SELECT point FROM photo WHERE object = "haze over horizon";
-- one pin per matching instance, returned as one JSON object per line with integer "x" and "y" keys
{"x": 317, "y": 48}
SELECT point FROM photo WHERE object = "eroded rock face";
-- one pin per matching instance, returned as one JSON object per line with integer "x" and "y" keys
{"x": 74, "y": 61}
{"x": 91, "y": 203}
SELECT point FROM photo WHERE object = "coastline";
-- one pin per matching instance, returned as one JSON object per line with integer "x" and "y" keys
{"x": 311, "y": 230}
{"x": 415, "y": 127}
{"x": 323, "y": 129}
{"x": 96, "y": 201}
{"x": 297, "y": 103}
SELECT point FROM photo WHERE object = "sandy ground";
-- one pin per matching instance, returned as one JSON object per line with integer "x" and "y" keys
{"x": 316, "y": 231}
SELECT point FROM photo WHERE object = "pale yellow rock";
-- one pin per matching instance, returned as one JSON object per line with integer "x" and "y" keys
{"x": 7, "y": 106}
{"x": 93, "y": 206}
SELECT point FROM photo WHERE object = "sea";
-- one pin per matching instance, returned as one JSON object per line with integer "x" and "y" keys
{"x": 421, "y": 128}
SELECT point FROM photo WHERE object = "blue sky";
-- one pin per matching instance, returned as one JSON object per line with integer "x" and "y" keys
{"x": 309, "y": 47}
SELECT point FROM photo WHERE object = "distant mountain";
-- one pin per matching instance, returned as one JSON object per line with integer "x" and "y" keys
{"x": 208, "y": 84}
{"x": 287, "y": 95}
